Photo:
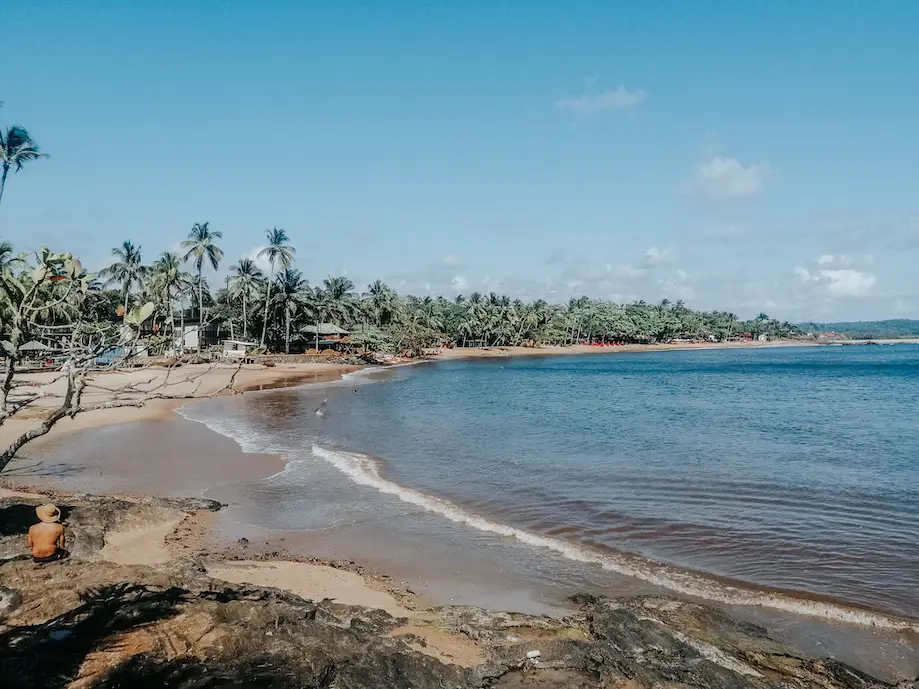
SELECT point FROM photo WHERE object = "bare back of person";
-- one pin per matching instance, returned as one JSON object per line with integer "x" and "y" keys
{"x": 46, "y": 539}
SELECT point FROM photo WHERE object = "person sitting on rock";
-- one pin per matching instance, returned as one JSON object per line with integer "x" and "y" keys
{"x": 46, "y": 539}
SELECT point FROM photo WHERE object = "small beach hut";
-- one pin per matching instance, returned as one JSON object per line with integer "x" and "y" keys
{"x": 237, "y": 349}
{"x": 35, "y": 353}
{"x": 324, "y": 336}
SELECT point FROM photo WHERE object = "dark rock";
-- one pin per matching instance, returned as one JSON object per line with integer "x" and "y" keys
{"x": 172, "y": 626}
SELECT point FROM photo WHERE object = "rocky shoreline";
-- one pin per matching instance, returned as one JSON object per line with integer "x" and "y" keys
{"x": 91, "y": 622}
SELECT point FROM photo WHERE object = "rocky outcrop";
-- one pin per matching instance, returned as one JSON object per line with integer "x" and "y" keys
{"x": 88, "y": 518}
{"x": 98, "y": 624}
{"x": 86, "y": 622}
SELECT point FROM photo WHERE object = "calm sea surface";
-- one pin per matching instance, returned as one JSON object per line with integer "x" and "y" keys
{"x": 785, "y": 478}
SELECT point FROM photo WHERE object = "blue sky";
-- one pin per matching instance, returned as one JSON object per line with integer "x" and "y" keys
{"x": 755, "y": 156}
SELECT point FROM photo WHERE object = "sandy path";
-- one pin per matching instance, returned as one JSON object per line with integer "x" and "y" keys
{"x": 317, "y": 582}
{"x": 140, "y": 546}
{"x": 306, "y": 580}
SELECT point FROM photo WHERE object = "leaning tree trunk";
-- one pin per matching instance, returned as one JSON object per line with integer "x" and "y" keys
{"x": 267, "y": 299}
{"x": 245, "y": 319}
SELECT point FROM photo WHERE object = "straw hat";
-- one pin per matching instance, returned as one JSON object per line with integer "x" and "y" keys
{"x": 48, "y": 513}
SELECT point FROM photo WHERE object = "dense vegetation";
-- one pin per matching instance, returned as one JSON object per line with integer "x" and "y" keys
{"x": 866, "y": 330}
{"x": 281, "y": 309}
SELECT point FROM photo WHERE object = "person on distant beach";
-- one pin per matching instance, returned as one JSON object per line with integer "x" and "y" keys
{"x": 47, "y": 539}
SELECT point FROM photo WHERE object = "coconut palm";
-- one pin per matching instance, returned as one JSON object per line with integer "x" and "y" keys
{"x": 127, "y": 270}
{"x": 201, "y": 245}
{"x": 16, "y": 149}
{"x": 341, "y": 301}
{"x": 290, "y": 297}
{"x": 9, "y": 260}
{"x": 280, "y": 255}
{"x": 245, "y": 278}
{"x": 167, "y": 280}
{"x": 381, "y": 303}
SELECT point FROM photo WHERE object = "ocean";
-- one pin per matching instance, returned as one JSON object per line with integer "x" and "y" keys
{"x": 780, "y": 478}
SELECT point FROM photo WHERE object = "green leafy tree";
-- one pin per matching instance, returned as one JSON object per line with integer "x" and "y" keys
{"x": 245, "y": 280}
{"x": 280, "y": 254}
{"x": 200, "y": 246}
{"x": 16, "y": 150}
{"x": 127, "y": 270}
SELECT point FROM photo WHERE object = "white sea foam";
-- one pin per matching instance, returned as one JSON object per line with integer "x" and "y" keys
{"x": 364, "y": 471}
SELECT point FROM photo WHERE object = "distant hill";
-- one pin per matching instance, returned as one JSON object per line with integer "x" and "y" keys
{"x": 866, "y": 330}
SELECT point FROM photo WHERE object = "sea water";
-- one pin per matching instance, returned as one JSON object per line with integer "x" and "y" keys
{"x": 780, "y": 478}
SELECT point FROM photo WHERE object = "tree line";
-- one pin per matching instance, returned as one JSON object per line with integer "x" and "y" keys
{"x": 280, "y": 308}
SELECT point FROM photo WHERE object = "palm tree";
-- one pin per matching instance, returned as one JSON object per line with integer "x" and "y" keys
{"x": 16, "y": 149}
{"x": 279, "y": 254}
{"x": 381, "y": 302}
{"x": 168, "y": 279}
{"x": 290, "y": 297}
{"x": 340, "y": 301}
{"x": 244, "y": 280}
{"x": 127, "y": 270}
{"x": 8, "y": 260}
{"x": 201, "y": 244}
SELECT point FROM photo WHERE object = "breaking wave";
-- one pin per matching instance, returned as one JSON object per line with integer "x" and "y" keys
{"x": 364, "y": 470}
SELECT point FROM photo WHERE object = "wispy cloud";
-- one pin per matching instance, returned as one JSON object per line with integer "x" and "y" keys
{"x": 726, "y": 179}
{"x": 590, "y": 104}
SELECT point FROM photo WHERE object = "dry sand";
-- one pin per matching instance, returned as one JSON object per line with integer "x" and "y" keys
{"x": 194, "y": 380}
{"x": 151, "y": 546}
{"x": 139, "y": 547}
{"x": 318, "y": 582}
{"x": 306, "y": 580}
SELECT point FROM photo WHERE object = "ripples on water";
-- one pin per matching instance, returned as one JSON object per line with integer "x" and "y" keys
{"x": 787, "y": 468}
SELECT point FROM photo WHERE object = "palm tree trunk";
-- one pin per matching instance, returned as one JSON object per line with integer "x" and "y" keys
{"x": 286, "y": 331}
{"x": 267, "y": 299}
{"x": 318, "y": 321}
{"x": 200, "y": 309}
{"x": 245, "y": 319}
{"x": 6, "y": 169}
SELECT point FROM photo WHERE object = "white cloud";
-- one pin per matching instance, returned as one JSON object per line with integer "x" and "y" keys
{"x": 725, "y": 179}
{"x": 824, "y": 259}
{"x": 805, "y": 275}
{"x": 654, "y": 257}
{"x": 838, "y": 282}
{"x": 590, "y": 104}
{"x": 260, "y": 261}
{"x": 846, "y": 282}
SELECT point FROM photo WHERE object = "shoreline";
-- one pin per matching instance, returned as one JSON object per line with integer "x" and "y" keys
{"x": 281, "y": 377}
{"x": 258, "y": 377}
{"x": 143, "y": 595}
{"x": 258, "y": 466}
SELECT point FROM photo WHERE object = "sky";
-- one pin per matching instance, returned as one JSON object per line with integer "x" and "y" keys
{"x": 753, "y": 157}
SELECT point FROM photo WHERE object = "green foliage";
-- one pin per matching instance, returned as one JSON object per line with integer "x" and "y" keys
{"x": 865, "y": 330}
{"x": 372, "y": 340}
